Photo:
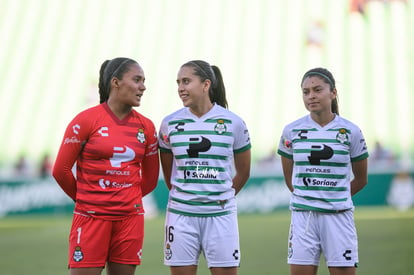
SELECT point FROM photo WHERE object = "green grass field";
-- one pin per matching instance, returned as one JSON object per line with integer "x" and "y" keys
{"x": 38, "y": 244}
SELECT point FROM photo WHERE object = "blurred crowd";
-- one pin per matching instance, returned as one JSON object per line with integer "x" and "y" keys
{"x": 24, "y": 168}
{"x": 360, "y": 5}
{"x": 381, "y": 159}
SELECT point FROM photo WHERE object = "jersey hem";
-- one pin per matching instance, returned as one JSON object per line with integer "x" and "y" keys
{"x": 184, "y": 213}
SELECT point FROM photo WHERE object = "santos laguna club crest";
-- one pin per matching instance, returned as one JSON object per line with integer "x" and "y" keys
{"x": 220, "y": 127}
{"x": 168, "y": 252}
{"x": 77, "y": 254}
{"x": 342, "y": 136}
{"x": 141, "y": 135}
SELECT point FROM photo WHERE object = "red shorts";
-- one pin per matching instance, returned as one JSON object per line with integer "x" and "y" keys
{"x": 93, "y": 242}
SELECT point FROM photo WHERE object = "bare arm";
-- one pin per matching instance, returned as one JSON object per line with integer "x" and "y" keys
{"x": 150, "y": 173}
{"x": 242, "y": 163}
{"x": 287, "y": 166}
{"x": 360, "y": 171}
{"x": 166, "y": 163}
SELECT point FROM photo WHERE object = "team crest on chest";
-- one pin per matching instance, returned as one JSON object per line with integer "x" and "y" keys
{"x": 141, "y": 135}
{"x": 220, "y": 127}
{"x": 342, "y": 136}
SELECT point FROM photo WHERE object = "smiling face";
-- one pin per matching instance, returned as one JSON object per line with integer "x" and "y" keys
{"x": 317, "y": 95}
{"x": 130, "y": 88}
{"x": 192, "y": 91}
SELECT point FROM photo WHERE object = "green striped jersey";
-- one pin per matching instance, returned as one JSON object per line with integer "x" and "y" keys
{"x": 203, "y": 149}
{"x": 322, "y": 162}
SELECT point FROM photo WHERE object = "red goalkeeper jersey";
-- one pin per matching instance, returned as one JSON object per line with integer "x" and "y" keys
{"x": 116, "y": 160}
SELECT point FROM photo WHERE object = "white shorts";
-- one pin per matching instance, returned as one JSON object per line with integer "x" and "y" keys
{"x": 186, "y": 237}
{"x": 313, "y": 233}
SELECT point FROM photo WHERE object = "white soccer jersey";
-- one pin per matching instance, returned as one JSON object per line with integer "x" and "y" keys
{"x": 322, "y": 162}
{"x": 203, "y": 151}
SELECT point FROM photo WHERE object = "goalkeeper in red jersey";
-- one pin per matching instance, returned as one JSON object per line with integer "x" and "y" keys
{"x": 115, "y": 151}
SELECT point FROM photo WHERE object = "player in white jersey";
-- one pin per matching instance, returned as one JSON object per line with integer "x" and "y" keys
{"x": 205, "y": 157}
{"x": 324, "y": 161}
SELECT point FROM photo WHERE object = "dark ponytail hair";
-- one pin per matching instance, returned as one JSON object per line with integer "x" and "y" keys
{"x": 328, "y": 78}
{"x": 116, "y": 67}
{"x": 204, "y": 70}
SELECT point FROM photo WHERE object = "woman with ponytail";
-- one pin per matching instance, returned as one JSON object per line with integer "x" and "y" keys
{"x": 115, "y": 150}
{"x": 200, "y": 145}
{"x": 324, "y": 161}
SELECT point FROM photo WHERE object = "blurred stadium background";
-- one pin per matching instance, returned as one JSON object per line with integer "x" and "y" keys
{"x": 51, "y": 52}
